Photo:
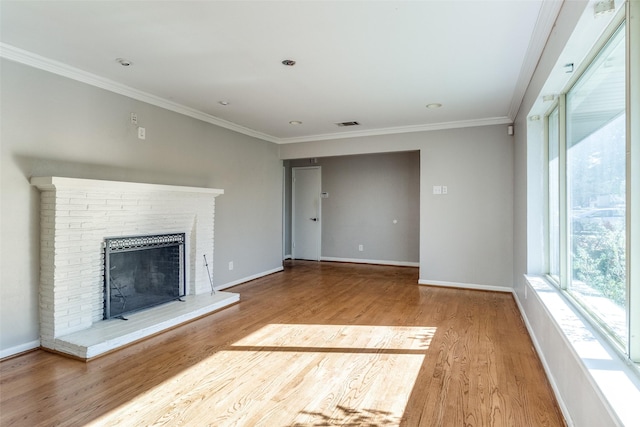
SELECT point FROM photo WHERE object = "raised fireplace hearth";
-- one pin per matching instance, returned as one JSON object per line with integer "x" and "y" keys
{"x": 77, "y": 215}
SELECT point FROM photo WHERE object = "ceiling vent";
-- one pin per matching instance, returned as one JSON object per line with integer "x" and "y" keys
{"x": 343, "y": 124}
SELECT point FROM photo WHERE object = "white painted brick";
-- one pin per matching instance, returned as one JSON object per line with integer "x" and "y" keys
{"x": 62, "y": 197}
{"x": 102, "y": 195}
{"x": 77, "y": 221}
{"x": 121, "y": 202}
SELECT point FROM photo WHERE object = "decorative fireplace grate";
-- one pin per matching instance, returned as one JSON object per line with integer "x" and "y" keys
{"x": 142, "y": 272}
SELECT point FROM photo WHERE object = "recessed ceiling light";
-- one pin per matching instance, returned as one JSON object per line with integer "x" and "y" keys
{"x": 225, "y": 103}
{"x": 434, "y": 105}
{"x": 295, "y": 122}
{"x": 289, "y": 62}
{"x": 123, "y": 62}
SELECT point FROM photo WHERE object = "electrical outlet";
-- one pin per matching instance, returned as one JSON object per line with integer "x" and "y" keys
{"x": 444, "y": 189}
{"x": 134, "y": 119}
{"x": 230, "y": 265}
{"x": 142, "y": 134}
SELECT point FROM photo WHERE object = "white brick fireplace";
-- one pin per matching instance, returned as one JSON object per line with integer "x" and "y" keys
{"x": 76, "y": 216}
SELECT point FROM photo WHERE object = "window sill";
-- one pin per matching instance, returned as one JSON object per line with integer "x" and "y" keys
{"x": 615, "y": 379}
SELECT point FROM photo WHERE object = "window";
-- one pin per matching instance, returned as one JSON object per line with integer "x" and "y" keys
{"x": 586, "y": 215}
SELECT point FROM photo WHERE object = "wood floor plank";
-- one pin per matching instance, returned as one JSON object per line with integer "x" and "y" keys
{"x": 318, "y": 344}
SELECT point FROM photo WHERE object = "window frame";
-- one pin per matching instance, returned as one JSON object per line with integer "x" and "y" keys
{"x": 555, "y": 107}
{"x": 630, "y": 348}
{"x": 633, "y": 179}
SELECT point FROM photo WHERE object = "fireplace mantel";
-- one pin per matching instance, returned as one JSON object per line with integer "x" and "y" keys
{"x": 76, "y": 216}
{"x": 46, "y": 183}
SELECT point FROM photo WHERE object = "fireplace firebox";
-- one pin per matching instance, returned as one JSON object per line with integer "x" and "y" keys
{"x": 141, "y": 272}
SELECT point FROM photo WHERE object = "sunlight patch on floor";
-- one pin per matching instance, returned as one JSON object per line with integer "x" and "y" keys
{"x": 291, "y": 375}
{"x": 340, "y": 336}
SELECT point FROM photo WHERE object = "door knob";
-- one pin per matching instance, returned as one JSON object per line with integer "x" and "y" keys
{"x": 313, "y": 219}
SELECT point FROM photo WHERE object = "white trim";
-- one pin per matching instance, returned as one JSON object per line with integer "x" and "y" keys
{"x": 287, "y": 256}
{"x": 36, "y": 61}
{"x": 53, "y": 182}
{"x": 633, "y": 176}
{"x": 36, "y": 344}
{"x": 547, "y": 16}
{"x": 248, "y": 278}
{"x": 465, "y": 285}
{"x": 21, "y": 56}
{"x": 545, "y": 365}
{"x": 625, "y": 374}
{"x": 11, "y": 351}
{"x": 400, "y": 129}
{"x": 371, "y": 261}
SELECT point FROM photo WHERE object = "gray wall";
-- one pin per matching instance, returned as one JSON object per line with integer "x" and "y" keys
{"x": 56, "y": 126}
{"x": 466, "y": 236}
{"x": 366, "y": 193}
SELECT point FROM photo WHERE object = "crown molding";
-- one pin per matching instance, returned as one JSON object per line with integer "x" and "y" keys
{"x": 36, "y": 61}
{"x": 401, "y": 129}
{"x": 547, "y": 16}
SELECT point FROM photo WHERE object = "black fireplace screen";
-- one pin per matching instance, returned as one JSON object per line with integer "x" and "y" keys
{"x": 142, "y": 271}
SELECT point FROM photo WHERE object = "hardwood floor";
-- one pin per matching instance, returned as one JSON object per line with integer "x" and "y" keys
{"x": 319, "y": 344}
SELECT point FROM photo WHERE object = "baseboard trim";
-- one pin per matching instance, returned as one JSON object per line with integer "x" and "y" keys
{"x": 465, "y": 285}
{"x": 33, "y": 345}
{"x": 22, "y": 348}
{"x": 248, "y": 278}
{"x": 541, "y": 356}
{"x": 371, "y": 261}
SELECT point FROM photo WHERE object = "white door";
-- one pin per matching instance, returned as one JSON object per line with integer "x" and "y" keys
{"x": 306, "y": 187}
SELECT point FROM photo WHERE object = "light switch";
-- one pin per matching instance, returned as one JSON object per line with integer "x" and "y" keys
{"x": 437, "y": 189}
{"x": 444, "y": 189}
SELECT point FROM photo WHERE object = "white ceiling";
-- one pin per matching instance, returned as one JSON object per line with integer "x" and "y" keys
{"x": 376, "y": 62}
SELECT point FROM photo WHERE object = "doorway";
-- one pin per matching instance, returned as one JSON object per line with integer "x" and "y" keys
{"x": 306, "y": 224}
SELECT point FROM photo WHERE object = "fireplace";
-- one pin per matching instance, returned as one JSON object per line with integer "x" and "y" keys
{"x": 76, "y": 215}
{"x": 142, "y": 272}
